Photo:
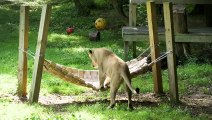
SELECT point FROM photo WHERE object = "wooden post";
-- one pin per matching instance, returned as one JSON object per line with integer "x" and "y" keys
{"x": 126, "y": 50}
{"x": 132, "y": 22}
{"x": 40, "y": 53}
{"x": 171, "y": 58}
{"x": 134, "y": 49}
{"x": 180, "y": 26}
{"x": 132, "y": 14}
{"x": 23, "y": 45}
{"x": 208, "y": 16}
{"x": 153, "y": 36}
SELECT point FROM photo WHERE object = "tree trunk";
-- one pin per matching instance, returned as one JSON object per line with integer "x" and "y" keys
{"x": 118, "y": 6}
{"x": 82, "y": 10}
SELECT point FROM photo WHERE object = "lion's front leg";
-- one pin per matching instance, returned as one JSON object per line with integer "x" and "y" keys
{"x": 102, "y": 77}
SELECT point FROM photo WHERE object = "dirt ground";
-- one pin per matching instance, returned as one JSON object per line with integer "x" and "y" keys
{"x": 196, "y": 103}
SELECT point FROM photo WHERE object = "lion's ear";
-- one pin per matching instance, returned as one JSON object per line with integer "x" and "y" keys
{"x": 90, "y": 51}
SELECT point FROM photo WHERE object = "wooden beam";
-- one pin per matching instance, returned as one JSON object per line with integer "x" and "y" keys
{"x": 193, "y": 35}
{"x": 171, "y": 57}
{"x": 40, "y": 53}
{"x": 126, "y": 50}
{"x": 174, "y": 1}
{"x": 193, "y": 38}
{"x": 23, "y": 45}
{"x": 208, "y": 16}
{"x": 136, "y": 38}
{"x": 180, "y": 26}
{"x": 153, "y": 36}
{"x": 132, "y": 14}
{"x": 132, "y": 22}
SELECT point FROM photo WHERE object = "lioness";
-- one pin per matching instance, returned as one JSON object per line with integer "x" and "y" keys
{"x": 116, "y": 71}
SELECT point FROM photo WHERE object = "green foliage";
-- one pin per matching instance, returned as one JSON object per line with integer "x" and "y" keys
{"x": 102, "y": 3}
{"x": 93, "y": 4}
{"x": 190, "y": 8}
{"x": 66, "y": 15}
{"x": 88, "y": 3}
{"x": 141, "y": 15}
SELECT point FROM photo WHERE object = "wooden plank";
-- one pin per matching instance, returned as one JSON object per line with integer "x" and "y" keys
{"x": 40, "y": 53}
{"x": 136, "y": 37}
{"x": 178, "y": 38}
{"x": 132, "y": 30}
{"x": 174, "y": 1}
{"x": 23, "y": 45}
{"x": 193, "y": 38}
{"x": 139, "y": 30}
{"x": 153, "y": 37}
{"x": 201, "y": 31}
{"x": 171, "y": 58}
{"x": 193, "y": 35}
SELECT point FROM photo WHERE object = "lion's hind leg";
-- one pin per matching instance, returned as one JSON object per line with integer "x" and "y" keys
{"x": 114, "y": 86}
{"x": 129, "y": 95}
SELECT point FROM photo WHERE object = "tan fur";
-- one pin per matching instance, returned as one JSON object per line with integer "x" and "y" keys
{"x": 112, "y": 70}
{"x": 107, "y": 82}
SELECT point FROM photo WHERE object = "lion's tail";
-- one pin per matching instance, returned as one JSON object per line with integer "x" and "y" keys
{"x": 126, "y": 76}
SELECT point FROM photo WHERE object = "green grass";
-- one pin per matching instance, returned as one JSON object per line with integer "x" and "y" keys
{"x": 90, "y": 112}
{"x": 192, "y": 75}
{"x": 71, "y": 50}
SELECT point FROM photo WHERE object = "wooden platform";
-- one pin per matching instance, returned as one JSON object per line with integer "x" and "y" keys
{"x": 142, "y": 34}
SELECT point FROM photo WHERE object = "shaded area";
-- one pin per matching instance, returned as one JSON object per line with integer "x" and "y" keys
{"x": 198, "y": 104}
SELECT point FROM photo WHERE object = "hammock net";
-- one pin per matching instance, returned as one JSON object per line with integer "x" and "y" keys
{"x": 89, "y": 78}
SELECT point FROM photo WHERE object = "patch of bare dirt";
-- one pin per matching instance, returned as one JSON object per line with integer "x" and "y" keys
{"x": 195, "y": 103}
{"x": 198, "y": 104}
{"x": 94, "y": 96}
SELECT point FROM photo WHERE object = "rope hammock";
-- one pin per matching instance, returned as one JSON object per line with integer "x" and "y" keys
{"x": 89, "y": 78}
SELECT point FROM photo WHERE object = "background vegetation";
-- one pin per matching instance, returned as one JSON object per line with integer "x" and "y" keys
{"x": 71, "y": 50}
